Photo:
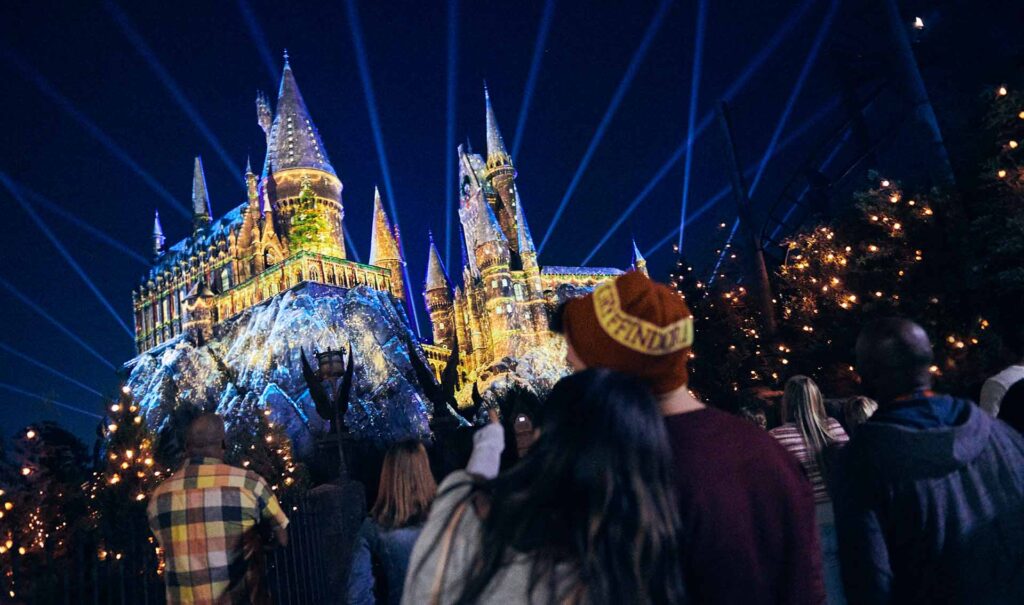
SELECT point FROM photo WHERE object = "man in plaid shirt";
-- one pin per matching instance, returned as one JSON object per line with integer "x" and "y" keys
{"x": 203, "y": 516}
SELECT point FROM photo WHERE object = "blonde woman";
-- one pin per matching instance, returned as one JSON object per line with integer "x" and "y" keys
{"x": 807, "y": 432}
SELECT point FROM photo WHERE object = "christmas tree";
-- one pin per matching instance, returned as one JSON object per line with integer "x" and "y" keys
{"x": 258, "y": 444}
{"x": 309, "y": 228}
{"x": 127, "y": 475}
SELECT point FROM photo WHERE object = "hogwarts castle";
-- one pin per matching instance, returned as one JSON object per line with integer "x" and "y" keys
{"x": 288, "y": 232}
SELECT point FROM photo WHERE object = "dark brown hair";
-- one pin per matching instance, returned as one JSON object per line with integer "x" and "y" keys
{"x": 407, "y": 486}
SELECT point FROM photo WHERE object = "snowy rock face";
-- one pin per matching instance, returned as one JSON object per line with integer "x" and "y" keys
{"x": 256, "y": 355}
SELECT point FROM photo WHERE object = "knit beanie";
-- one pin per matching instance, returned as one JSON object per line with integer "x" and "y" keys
{"x": 633, "y": 325}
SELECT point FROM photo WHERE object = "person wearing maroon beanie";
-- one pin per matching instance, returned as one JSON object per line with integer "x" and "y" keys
{"x": 747, "y": 508}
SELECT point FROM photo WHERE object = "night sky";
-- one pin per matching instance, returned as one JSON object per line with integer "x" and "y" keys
{"x": 105, "y": 104}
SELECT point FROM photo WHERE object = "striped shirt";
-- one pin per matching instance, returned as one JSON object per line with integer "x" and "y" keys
{"x": 790, "y": 438}
{"x": 200, "y": 516}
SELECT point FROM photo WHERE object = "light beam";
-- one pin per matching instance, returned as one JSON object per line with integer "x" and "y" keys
{"x": 137, "y": 41}
{"x": 751, "y": 68}
{"x": 51, "y": 206}
{"x": 805, "y": 70}
{"x": 67, "y": 332}
{"x": 748, "y": 171}
{"x": 449, "y": 139}
{"x": 698, "y": 60}
{"x": 613, "y": 106}
{"x": 65, "y": 104}
{"x": 260, "y": 40}
{"x": 37, "y": 397}
{"x": 351, "y": 243}
{"x": 531, "y": 79}
{"x": 49, "y": 369}
{"x": 63, "y": 251}
{"x": 378, "y": 137}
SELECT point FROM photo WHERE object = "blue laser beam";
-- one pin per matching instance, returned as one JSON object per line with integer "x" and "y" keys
{"x": 798, "y": 86}
{"x": 363, "y": 63}
{"x": 13, "y": 190}
{"x": 449, "y": 139}
{"x": 613, "y": 106}
{"x": 141, "y": 47}
{"x": 37, "y": 397}
{"x": 65, "y": 104}
{"x": 28, "y": 302}
{"x": 749, "y": 70}
{"x": 691, "y": 121}
{"x": 50, "y": 369}
{"x": 531, "y": 79}
{"x": 749, "y": 170}
{"x": 794, "y": 94}
{"x": 258, "y": 38}
{"x": 351, "y": 243}
{"x": 52, "y": 207}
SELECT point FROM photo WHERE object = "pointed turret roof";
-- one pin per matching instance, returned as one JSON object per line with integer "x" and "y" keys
{"x": 200, "y": 197}
{"x": 382, "y": 240}
{"x": 437, "y": 277}
{"x": 158, "y": 235}
{"x": 294, "y": 141}
{"x": 488, "y": 228}
{"x": 524, "y": 238}
{"x": 495, "y": 144}
{"x": 248, "y": 166}
{"x": 638, "y": 258}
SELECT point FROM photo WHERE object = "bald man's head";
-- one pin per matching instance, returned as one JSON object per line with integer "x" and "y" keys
{"x": 893, "y": 358}
{"x": 205, "y": 436}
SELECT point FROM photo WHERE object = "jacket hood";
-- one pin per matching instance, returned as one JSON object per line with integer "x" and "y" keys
{"x": 902, "y": 452}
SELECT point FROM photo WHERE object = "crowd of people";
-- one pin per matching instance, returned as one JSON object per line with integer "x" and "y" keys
{"x": 631, "y": 490}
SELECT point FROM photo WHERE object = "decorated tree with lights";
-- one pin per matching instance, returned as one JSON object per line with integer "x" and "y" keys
{"x": 894, "y": 253}
{"x": 997, "y": 221}
{"x": 309, "y": 227}
{"x": 42, "y": 506}
{"x": 257, "y": 443}
{"x": 126, "y": 476}
{"x": 729, "y": 354}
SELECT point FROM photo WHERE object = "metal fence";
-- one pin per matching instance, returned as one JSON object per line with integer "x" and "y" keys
{"x": 87, "y": 575}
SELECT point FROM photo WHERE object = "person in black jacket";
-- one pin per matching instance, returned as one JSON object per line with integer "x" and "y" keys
{"x": 929, "y": 492}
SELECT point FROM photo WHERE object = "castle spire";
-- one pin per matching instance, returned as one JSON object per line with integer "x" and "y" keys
{"x": 201, "y": 212}
{"x": 383, "y": 246}
{"x": 524, "y": 237}
{"x": 639, "y": 262}
{"x": 158, "y": 236}
{"x": 437, "y": 277}
{"x": 496, "y": 153}
{"x": 293, "y": 140}
{"x": 488, "y": 228}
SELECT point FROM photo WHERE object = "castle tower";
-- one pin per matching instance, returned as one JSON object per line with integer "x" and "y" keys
{"x": 638, "y": 262}
{"x": 536, "y": 317}
{"x": 158, "y": 236}
{"x": 500, "y": 175}
{"x": 201, "y": 211}
{"x": 437, "y": 294}
{"x": 197, "y": 318}
{"x": 384, "y": 251}
{"x": 492, "y": 258}
{"x": 296, "y": 153}
{"x": 251, "y": 188}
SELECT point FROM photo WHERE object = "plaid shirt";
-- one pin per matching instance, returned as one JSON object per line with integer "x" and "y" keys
{"x": 200, "y": 515}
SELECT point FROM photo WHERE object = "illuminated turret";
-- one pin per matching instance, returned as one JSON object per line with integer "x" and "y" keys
{"x": 158, "y": 236}
{"x": 384, "y": 250}
{"x": 437, "y": 294}
{"x": 500, "y": 175}
{"x": 197, "y": 319}
{"x": 201, "y": 212}
{"x": 639, "y": 262}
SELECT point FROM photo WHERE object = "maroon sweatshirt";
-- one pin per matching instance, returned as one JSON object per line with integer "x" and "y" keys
{"x": 747, "y": 511}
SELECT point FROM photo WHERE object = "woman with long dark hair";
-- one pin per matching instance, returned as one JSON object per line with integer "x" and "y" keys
{"x": 587, "y": 516}
{"x": 807, "y": 433}
{"x": 406, "y": 490}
